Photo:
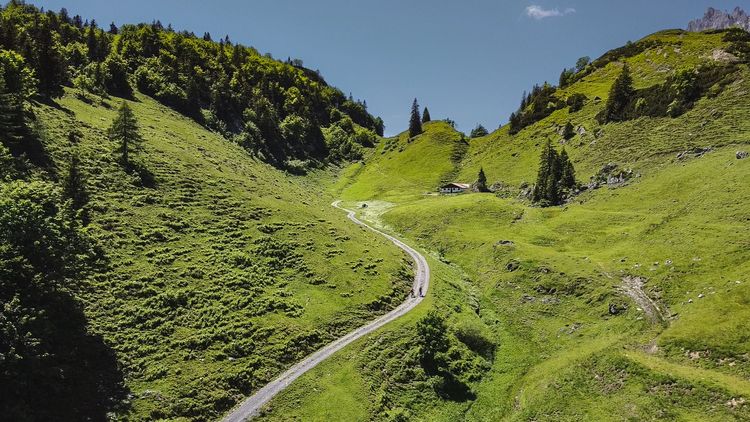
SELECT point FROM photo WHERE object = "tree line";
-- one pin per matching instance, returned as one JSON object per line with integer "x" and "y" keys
{"x": 276, "y": 110}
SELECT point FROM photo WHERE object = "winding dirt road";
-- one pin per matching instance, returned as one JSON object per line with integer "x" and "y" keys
{"x": 252, "y": 405}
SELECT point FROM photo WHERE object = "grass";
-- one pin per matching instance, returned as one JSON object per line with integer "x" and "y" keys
{"x": 545, "y": 280}
{"x": 223, "y": 271}
{"x": 403, "y": 166}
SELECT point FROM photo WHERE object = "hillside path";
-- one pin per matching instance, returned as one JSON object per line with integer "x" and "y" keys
{"x": 252, "y": 405}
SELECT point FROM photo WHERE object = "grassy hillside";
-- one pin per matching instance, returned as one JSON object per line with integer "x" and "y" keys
{"x": 628, "y": 303}
{"x": 402, "y": 167}
{"x": 221, "y": 270}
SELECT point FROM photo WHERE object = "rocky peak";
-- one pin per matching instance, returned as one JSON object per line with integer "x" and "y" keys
{"x": 720, "y": 19}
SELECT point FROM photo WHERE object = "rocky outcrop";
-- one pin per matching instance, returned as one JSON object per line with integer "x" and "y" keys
{"x": 696, "y": 152}
{"x": 611, "y": 175}
{"x": 719, "y": 19}
{"x": 741, "y": 155}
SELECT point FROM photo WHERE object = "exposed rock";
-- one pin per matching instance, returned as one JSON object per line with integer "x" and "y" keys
{"x": 741, "y": 155}
{"x": 527, "y": 299}
{"x": 512, "y": 266}
{"x": 504, "y": 243}
{"x": 734, "y": 403}
{"x": 581, "y": 130}
{"x": 526, "y": 190}
{"x": 719, "y": 19}
{"x": 696, "y": 152}
{"x": 720, "y": 55}
{"x": 610, "y": 174}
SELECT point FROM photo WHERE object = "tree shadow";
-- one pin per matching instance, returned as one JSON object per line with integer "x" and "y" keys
{"x": 146, "y": 178}
{"x": 55, "y": 368}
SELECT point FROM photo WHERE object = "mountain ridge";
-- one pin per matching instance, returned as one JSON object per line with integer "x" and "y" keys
{"x": 720, "y": 19}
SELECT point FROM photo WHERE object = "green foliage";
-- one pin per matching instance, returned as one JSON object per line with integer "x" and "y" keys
{"x": 563, "y": 354}
{"x": 620, "y": 96}
{"x": 426, "y": 115}
{"x": 415, "y": 123}
{"x": 535, "y": 106}
{"x": 481, "y": 184}
{"x": 13, "y": 127}
{"x": 675, "y": 96}
{"x": 16, "y": 75}
{"x": 568, "y": 131}
{"x": 478, "y": 132}
{"x": 52, "y": 368}
{"x": 555, "y": 178}
{"x": 74, "y": 184}
{"x": 125, "y": 131}
{"x": 582, "y": 62}
{"x": 576, "y": 102}
{"x": 211, "y": 82}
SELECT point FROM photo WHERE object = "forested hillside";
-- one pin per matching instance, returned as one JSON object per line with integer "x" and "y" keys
{"x": 277, "y": 110}
{"x": 157, "y": 259}
{"x": 626, "y": 302}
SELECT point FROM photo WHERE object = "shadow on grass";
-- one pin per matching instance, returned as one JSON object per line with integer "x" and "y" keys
{"x": 146, "y": 178}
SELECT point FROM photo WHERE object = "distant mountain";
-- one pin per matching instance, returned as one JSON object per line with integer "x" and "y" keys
{"x": 719, "y": 19}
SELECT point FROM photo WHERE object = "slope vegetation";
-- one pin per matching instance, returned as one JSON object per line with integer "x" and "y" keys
{"x": 221, "y": 271}
{"x": 554, "y": 287}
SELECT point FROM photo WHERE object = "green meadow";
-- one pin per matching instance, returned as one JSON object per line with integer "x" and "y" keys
{"x": 550, "y": 286}
{"x": 222, "y": 271}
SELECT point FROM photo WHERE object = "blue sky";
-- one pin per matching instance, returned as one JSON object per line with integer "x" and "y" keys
{"x": 469, "y": 60}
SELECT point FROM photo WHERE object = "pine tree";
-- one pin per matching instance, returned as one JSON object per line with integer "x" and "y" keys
{"x": 92, "y": 42}
{"x": 13, "y": 128}
{"x": 426, "y": 116}
{"x": 568, "y": 174}
{"x": 74, "y": 186}
{"x": 546, "y": 189}
{"x": 478, "y": 132}
{"x": 415, "y": 123}
{"x": 481, "y": 183}
{"x": 49, "y": 64}
{"x": 125, "y": 130}
{"x": 620, "y": 96}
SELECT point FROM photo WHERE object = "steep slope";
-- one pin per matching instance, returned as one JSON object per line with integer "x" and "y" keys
{"x": 556, "y": 286}
{"x": 222, "y": 271}
{"x": 400, "y": 167}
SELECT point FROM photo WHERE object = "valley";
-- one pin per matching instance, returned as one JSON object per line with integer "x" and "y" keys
{"x": 191, "y": 230}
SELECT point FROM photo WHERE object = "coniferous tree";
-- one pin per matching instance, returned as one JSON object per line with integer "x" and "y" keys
{"x": 49, "y": 64}
{"x": 379, "y": 126}
{"x": 556, "y": 177}
{"x": 124, "y": 130}
{"x": 13, "y": 128}
{"x": 74, "y": 186}
{"x": 620, "y": 96}
{"x": 545, "y": 190}
{"x": 567, "y": 172}
{"x": 92, "y": 42}
{"x": 426, "y": 115}
{"x": 481, "y": 183}
{"x": 478, "y": 132}
{"x": 415, "y": 123}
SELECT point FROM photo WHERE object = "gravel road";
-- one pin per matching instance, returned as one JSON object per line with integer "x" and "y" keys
{"x": 253, "y": 404}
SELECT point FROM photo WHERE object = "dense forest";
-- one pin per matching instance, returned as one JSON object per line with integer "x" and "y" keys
{"x": 283, "y": 112}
